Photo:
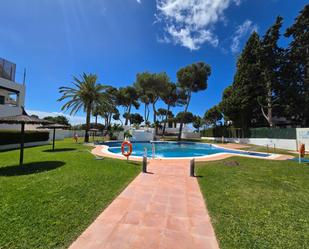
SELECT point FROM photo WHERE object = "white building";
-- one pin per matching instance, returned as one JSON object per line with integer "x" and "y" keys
{"x": 12, "y": 94}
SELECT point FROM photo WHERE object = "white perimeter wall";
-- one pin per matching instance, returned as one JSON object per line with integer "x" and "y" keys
{"x": 62, "y": 134}
{"x": 190, "y": 135}
{"x": 287, "y": 144}
{"x": 302, "y": 137}
{"x": 142, "y": 135}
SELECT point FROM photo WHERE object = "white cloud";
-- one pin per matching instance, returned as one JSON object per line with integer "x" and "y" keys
{"x": 237, "y": 2}
{"x": 190, "y": 22}
{"x": 74, "y": 120}
{"x": 242, "y": 30}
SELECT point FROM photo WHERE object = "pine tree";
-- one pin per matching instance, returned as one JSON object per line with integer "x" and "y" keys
{"x": 270, "y": 60}
{"x": 296, "y": 70}
{"x": 239, "y": 102}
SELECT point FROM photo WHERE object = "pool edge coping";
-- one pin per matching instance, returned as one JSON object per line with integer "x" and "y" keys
{"x": 102, "y": 150}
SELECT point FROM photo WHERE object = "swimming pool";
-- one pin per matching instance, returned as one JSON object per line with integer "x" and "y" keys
{"x": 178, "y": 149}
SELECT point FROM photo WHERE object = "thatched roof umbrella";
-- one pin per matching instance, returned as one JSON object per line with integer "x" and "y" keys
{"x": 54, "y": 127}
{"x": 22, "y": 119}
{"x": 94, "y": 132}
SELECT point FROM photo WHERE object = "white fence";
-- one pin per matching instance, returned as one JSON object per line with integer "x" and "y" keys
{"x": 190, "y": 135}
{"x": 62, "y": 134}
{"x": 286, "y": 144}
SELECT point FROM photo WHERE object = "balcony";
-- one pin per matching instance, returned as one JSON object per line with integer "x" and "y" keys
{"x": 7, "y": 70}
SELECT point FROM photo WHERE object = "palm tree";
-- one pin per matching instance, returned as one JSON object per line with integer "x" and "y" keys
{"x": 128, "y": 97}
{"x": 85, "y": 94}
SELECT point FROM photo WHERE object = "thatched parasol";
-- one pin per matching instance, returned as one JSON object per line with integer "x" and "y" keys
{"x": 94, "y": 132}
{"x": 54, "y": 127}
{"x": 22, "y": 119}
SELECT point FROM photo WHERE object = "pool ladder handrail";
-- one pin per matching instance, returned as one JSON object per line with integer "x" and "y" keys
{"x": 145, "y": 152}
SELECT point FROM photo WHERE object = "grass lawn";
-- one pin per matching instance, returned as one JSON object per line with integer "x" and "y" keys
{"x": 49, "y": 201}
{"x": 258, "y": 203}
{"x": 258, "y": 148}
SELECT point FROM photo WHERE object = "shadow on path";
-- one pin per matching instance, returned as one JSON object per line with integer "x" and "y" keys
{"x": 30, "y": 168}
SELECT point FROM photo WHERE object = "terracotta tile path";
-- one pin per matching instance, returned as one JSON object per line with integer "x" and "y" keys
{"x": 161, "y": 209}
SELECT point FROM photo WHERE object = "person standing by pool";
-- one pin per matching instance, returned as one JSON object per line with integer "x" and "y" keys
{"x": 75, "y": 137}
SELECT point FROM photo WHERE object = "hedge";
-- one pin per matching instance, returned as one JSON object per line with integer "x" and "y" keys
{"x": 13, "y": 137}
{"x": 263, "y": 132}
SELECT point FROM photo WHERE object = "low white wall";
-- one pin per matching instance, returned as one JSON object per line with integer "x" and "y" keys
{"x": 287, "y": 144}
{"x": 15, "y": 146}
{"x": 120, "y": 135}
{"x": 142, "y": 135}
{"x": 62, "y": 134}
{"x": 190, "y": 135}
{"x": 172, "y": 130}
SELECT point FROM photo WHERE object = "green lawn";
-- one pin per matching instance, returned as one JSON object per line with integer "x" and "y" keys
{"x": 50, "y": 200}
{"x": 258, "y": 203}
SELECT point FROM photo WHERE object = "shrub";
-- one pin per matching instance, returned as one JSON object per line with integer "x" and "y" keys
{"x": 13, "y": 137}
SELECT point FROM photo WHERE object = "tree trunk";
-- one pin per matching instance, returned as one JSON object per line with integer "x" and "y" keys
{"x": 269, "y": 115}
{"x": 269, "y": 104}
{"x": 154, "y": 113}
{"x": 145, "y": 114}
{"x": 96, "y": 120}
{"x": 148, "y": 112}
{"x": 87, "y": 124}
{"x": 186, "y": 109}
{"x": 128, "y": 115}
{"x": 165, "y": 121}
{"x": 155, "y": 117}
{"x": 105, "y": 126}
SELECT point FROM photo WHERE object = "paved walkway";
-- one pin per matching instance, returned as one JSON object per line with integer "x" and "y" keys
{"x": 161, "y": 209}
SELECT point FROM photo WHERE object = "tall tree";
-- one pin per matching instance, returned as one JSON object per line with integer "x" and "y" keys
{"x": 172, "y": 96}
{"x": 184, "y": 117}
{"x": 270, "y": 60}
{"x": 197, "y": 122}
{"x": 107, "y": 107}
{"x": 60, "y": 119}
{"x": 136, "y": 118}
{"x": 128, "y": 97}
{"x": 239, "y": 102}
{"x": 213, "y": 115}
{"x": 297, "y": 69}
{"x": 191, "y": 79}
{"x": 85, "y": 94}
{"x": 152, "y": 86}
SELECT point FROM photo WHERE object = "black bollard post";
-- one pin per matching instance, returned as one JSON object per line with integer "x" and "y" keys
{"x": 192, "y": 167}
{"x": 144, "y": 164}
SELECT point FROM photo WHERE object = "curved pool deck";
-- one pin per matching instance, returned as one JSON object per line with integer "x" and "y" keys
{"x": 102, "y": 150}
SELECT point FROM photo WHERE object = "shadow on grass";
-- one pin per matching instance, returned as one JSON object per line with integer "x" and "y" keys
{"x": 30, "y": 168}
{"x": 59, "y": 150}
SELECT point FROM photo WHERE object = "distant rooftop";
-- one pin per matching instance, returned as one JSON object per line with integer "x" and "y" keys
{"x": 7, "y": 69}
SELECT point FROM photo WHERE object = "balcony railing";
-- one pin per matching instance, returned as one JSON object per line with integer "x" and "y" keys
{"x": 7, "y": 70}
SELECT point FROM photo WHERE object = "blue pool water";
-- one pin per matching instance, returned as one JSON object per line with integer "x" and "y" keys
{"x": 177, "y": 149}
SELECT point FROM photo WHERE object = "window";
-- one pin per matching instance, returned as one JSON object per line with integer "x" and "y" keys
{"x": 2, "y": 100}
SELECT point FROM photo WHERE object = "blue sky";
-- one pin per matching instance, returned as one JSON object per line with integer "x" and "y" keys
{"x": 55, "y": 39}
